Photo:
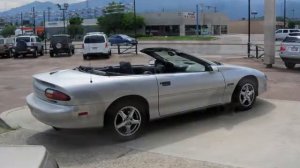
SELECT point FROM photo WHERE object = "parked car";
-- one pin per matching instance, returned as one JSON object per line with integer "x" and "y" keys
{"x": 28, "y": 44}
{"x": 121, "y": 39}
{"x": 124, "y": 98}
{"x": 5, "y": 47}
{"x": 283, "y": 33}
{"x": 290, "y": 51}
{"x": 96, "y": 44}
{"x": 33, "y": 156}
{"x": 60, "y": 44}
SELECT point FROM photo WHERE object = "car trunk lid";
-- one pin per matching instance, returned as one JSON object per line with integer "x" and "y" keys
{"x": 65, "y": 81}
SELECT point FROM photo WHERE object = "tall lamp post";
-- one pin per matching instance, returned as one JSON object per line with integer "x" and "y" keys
{"x": 284, "y": 14}
{"x": 63, "y": 8}
{"x": 249, "y": 27}
{"x": 135, "y": 31}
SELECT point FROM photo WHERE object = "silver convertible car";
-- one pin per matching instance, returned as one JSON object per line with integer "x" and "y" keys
{"x": 124, "y": 98}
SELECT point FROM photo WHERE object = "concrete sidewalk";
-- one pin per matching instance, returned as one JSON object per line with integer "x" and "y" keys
{"x": 265, "y": 137}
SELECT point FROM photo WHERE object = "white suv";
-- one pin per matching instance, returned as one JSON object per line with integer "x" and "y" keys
{"x": 96, "y": 44}
{"x": 28, "y": 45}
{"x": 281, "y": 34}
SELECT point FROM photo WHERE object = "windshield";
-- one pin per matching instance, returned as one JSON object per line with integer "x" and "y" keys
{"x": 26, "y": 39}
{"x": 1, "y": 41}
{"x": 125, "y": 37}
{"x": 291, "y": 40}
{"x": 94, "y": 39}
{"x": 182, "y": 60}
{"x": 61, "y": 39}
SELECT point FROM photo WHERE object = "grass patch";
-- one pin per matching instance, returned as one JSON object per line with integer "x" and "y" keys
{"x": 177, "y": 38}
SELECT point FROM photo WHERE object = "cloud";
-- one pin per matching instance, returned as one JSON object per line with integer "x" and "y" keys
{"x": 8, "y": 4}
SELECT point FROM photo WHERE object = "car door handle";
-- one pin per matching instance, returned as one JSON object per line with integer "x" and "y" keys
{"x": 166, "y": 83}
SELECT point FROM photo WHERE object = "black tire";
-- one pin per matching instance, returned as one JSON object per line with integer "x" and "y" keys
{"x": 42, "y": 52}
{"x": 85, "y": 57}
{"x": 241, "y": 94}
{"x": 51, "y": 54}
{"x": 114, "y": 117}
{"x": 35, "y": 53}
{"x": 16, "y": 56}
{"x": 73, "y": 52}
{"x": 290, "y": 65}
{"x": 70, "y": 53}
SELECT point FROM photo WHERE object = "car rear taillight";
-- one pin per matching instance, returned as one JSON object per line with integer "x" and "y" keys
{"x": 56, "y": 95}
{"x": 82, "y": 46}
{"x": 282, "y": 48}
{"x": 106, "y": 45}
{"x": 5, "y": 46}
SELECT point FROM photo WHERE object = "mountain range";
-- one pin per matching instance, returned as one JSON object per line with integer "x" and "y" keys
{"x": 235, "y": 9}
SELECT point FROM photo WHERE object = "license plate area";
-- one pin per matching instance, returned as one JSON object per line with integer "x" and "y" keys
{"x": 294, "y": 49}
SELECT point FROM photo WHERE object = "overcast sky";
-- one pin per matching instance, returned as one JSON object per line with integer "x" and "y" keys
{"x": 8, "y": 4}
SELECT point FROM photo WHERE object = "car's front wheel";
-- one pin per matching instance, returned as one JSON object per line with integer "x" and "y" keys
{"x": 290, "y": 65}
{"x": 126, "y": 120}
{"x": 245, "y": 94}
{"x": 35, "y": 53}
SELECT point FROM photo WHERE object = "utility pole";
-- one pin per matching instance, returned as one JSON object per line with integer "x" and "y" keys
{"x": 269, "y": 29}
{"x": 22, "y": 23}
{"x": 49, "y": 13}
{"x": 34, "y": 26}
{"x": 293, "y": 13}
{"x": 63, "y": 8}
{"x": 135, "y": 31}
{"x": 249, "y": 28}
{"x": 284, "y": 14}
{"x": 197, "y": 20}
{"x": 45, "y": 32}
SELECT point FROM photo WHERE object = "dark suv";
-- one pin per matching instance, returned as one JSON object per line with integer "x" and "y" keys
{"x": 61, "y": 44}
{"x": 28, "y": 45}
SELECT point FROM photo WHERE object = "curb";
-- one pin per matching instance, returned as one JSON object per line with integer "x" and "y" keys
{"x": 6, "y": 123}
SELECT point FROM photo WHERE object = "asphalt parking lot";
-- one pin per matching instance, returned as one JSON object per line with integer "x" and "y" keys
{"x": 266, "y": 136}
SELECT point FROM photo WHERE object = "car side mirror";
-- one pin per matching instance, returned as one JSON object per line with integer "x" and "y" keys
{"x": 213, "y": 69}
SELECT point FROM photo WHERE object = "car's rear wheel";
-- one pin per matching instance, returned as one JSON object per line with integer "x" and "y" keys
{"x": 42, "y": 52}
{"x": 16, "y": 56}
{"x": 86, "y": 57}
{"x": 244, "y": 96}
{"x": 70, "y": 53}
{"x": 51, "y": 54}
{"x": 290, "y": 65}
{"x": 126, "y": 120}
{"x": 35, "y": 53}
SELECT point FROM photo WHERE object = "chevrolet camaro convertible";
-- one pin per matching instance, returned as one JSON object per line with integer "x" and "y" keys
{"x": 124, "y": 98}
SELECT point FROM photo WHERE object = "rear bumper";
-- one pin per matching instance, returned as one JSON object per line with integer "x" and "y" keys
{"x": 27, "y": 51}
{"x": 96, "y": 54}
{"x": 62, "y": 116}
{"x": 290, "y": 58}
{"x": 63, "y": 50}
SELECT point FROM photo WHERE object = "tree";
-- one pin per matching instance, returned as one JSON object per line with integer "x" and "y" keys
{"x": 75, "y": 27}
{"x": 128, "y": 21}
{"x": 116, "y": 19}
{"x": 291, "y": 24}
{"x": 8, "y": 30}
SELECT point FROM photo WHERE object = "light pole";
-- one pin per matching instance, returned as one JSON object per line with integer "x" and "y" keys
{"x": 284, "y": 14}
{"x": 249, "y": 27}
{"x": 63, "y": 8}
{"x": 135, "y": 32}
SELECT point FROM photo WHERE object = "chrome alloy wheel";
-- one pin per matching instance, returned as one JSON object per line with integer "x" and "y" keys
{"x": 127, "y": 121}
{"x": 247, "y": 95}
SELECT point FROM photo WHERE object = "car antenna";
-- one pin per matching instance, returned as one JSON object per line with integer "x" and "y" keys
{"x": 91, "y": 77}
